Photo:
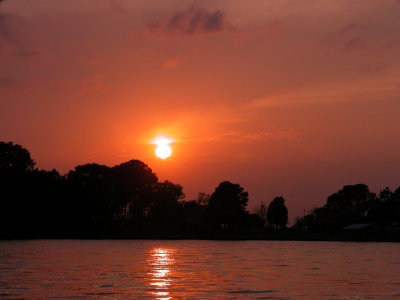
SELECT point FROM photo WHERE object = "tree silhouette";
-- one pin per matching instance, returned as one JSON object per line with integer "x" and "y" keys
{"x": 132, "y": 181}
{"x": 351, "y": 204}
{"x": 352, "y": 201}
{"x": 385, "y": 210}
{"x": 164, "y": 209}
{"x": 98, "y": 201}
{"x": 227, "y": 205}
{"x": 16, "y": 204}
{"x": 133, "y": 174}
{"x": 30, "y": 199}
{"x": 14, "y": 158}
{"x": 277, "y": 213}
{"x": 104, "y": 197}
{"x": 91, "y": 193}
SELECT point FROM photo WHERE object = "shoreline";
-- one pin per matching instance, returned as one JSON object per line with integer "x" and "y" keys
{"x": 306, "y": 237}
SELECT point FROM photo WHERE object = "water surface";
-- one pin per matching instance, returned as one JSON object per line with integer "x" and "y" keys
{"x": 144, "y": 269}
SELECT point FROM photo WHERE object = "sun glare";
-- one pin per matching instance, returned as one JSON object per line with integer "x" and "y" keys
{"x": 163, "y": 149}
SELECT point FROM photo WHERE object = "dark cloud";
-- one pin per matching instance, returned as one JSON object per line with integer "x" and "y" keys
{"x": 355, "y": 44}
{"x": 11, "y": 34}
{"x": 352, "y": 28}
{"x": 8, "y": 27}
{"x": 8, "y": 24}
{"x": 353, "y": 36}
{"x": 7, "y": 83}
{"x": 193, "y": 21}
{"x": 117, "y": 5}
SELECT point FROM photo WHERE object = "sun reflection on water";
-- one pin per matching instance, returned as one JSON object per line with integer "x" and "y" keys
{"x": 161, "y": 261}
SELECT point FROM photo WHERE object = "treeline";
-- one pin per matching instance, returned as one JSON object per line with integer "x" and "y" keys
{"x": 355, "y": 208}
{"x": 128, "y": 200}
{"x": 95, "y": 200}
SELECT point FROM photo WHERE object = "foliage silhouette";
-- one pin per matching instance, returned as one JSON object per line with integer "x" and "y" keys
{"x": 227, "y": 205}
{"x": 164, "y": 209}
{"x": 277, "y": 213}
{"x": 354, "y": 204}
{"x": 90, "y": 194}
{"x": 128, "y": 200}
{"x": 14, "y": 158}
{"x": 385, "y": 210}
{"x": 131, "y": 181}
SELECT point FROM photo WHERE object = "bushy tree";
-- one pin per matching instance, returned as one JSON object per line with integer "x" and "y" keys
{"x": 352, "y": 201}
{"x": 15, "y": 159}
{"x": 227, "y": 205}
{"x": 90, "y": 193}
{"x": 277, "y": 213}
{"x": 351, "y": 204}
{"x": 15, "y": 188}
{"x": 164, "y": 209}
{"x": 132, "y": 181}
{"x": 385, "y": 210}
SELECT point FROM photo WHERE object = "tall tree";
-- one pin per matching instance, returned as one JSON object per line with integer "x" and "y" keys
{"x": 164, "y": 209}
{"x": 227, "y": 205}
{"x": 385, "y": 211}
{"x": 14, "y": 158}
{"x": 277, "y": 213}
{"x": 351, "y": 204}
{"x": 352, "y": 200}
{"x": 133, "y": 181}
{"x": 16, "y": 166}
{"x": 90, "y": 192}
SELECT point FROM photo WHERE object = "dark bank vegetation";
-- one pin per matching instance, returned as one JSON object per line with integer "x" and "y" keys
{"x": 128, "y": 201}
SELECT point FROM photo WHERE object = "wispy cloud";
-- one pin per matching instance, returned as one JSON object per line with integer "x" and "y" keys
{"x": 352, "y": 27}
{"x": 359, "y": 91}
{"x": 171, "y": 64}
{"x": 8, "y": 26}
{"x": 356, "y": 44}
{"x": 242, "y": 137}
{"x": 10, "y": 34}
{"x": 117, "y": 5}
{"x": 354, "y": 36}
{"x": 6, "y": 83}
{"x": 92, "y": 85}
{"x": 193, "y": 21}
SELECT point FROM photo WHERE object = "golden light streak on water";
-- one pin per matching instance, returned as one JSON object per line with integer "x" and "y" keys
{"x": 161, "y": 260}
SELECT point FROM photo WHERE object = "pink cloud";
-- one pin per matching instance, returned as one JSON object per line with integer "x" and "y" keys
{"x": 356, "y": 44}
{"x": 116, "y": 5}
{"x": 352, "y": 28}
{"x": 193, "y": 21}
{"x": 92, "y": 85}
{"x": 170, "y": 64}
{"x": 94, "y": 62}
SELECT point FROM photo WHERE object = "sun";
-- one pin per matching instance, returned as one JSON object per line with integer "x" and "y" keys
{"x": 163, "y": 149}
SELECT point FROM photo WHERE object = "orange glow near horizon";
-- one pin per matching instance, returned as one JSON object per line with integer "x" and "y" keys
{"x": 264, "y": 95}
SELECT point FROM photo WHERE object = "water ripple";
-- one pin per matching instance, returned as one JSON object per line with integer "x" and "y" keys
{"x": 165, "y": 270}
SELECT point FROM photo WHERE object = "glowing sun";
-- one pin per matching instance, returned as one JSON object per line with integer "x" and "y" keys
{"x": 163, "y": 149}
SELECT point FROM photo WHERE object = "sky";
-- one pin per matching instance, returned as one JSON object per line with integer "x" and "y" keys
{"x": 292, "y": 98}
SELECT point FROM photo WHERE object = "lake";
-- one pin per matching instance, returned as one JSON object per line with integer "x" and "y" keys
{"x": 197, "y": 269}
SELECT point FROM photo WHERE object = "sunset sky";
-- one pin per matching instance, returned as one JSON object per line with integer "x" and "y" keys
{"x": 285, "y": 97}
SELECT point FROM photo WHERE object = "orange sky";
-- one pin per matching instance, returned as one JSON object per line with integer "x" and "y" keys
{"x": 285, "y": 97}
